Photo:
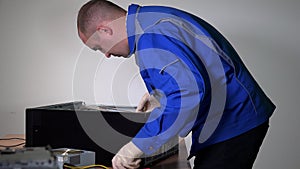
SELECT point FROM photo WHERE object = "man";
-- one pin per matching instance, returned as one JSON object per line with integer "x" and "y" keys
{"x": 196, "y": 80}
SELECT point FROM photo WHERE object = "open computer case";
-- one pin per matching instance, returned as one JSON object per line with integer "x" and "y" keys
{"x": 59, "y": 126}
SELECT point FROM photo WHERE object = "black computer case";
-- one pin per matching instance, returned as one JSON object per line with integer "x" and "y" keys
{"x": 59, "y": 126}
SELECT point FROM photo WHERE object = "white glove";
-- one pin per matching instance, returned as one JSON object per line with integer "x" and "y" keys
{"x": 128, "y": 157}
{"x": 147, "y": 103}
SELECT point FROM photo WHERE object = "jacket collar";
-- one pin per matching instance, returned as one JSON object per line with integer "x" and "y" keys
{"x": 131, "y": 27}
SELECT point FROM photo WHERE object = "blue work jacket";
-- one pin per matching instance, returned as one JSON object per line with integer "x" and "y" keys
{"x": 197, "y": 76}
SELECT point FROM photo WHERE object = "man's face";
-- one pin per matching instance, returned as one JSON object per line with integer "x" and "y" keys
{"x": 107, "y": 43}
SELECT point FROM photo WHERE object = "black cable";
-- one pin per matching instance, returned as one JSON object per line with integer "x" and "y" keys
{"x": 14, "y": 145}
{"x": 13, "y": 138}
{"x": 10, "y": 146}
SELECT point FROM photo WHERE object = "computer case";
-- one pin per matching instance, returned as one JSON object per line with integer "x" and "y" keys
{"x": 59, "y": 126}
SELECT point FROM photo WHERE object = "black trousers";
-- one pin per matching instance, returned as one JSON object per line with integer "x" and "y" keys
{"x": 237, "y": 153}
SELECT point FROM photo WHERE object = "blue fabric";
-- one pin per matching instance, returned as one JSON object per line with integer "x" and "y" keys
{"x": 201, "y": 82}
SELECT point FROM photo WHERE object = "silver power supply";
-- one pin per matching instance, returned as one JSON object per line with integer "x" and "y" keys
{"x": 74, "y": 157}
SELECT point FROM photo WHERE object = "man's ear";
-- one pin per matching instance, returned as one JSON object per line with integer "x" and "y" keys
{"x": 105, "y": 29}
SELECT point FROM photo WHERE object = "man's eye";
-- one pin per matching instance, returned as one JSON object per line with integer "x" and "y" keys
{"x": 97, "y": 49}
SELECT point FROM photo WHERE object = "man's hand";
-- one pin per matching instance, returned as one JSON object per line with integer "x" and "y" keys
{"x": 128, "y": 157}
{"x": 147, "y": 103}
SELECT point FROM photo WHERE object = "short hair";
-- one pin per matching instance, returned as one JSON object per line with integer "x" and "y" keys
{"x": 95, "y": 12}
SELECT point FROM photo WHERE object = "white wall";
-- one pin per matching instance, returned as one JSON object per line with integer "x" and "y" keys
{"x": 40, "y": 52}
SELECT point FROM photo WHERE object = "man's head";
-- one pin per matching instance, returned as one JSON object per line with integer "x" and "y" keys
{"x": 102, "y": 26}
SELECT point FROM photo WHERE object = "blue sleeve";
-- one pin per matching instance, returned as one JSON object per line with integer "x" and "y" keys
{"x": 177, "y": 85}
